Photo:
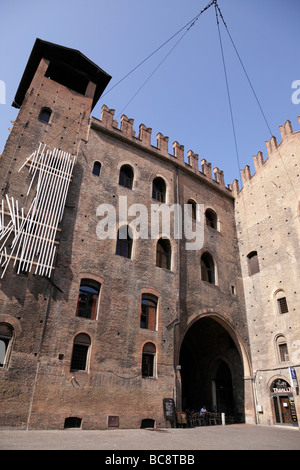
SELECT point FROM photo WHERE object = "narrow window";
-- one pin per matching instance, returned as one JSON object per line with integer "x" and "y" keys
{"x": 45, "y": 114}
{"x": 193, "y": 208}
{"x": 81, "y": 347}
{"x": 96, "y": 168}
{"x": 159, "y": 190}
{"x": 283, "y": 353}
{"x": 148, "y": 312}
{"x": 282, "y": 305}
{"x": 207, "y": 268}
{"x": 163, "y": 253}
{"x": 6, "y": 334}
{"x": 211, "y": 218}
{"x": 253, "y": 264}
{"x": 126, "y": 176}
{"x": 87, "y": 299}
{"x": 124, "y": 242}
{"x": 148, "y": 360}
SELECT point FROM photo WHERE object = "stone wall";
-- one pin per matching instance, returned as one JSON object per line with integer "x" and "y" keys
{"x": 267, "y": 214}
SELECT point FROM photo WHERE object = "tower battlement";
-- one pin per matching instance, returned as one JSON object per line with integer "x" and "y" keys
{"x": 216, "y": 176}
{"x": 272, "y": 147}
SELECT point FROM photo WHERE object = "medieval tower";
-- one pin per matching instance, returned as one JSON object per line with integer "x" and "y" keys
{"x": 99, "y": 332}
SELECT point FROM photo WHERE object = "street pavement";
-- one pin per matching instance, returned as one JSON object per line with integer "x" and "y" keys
{"x": 229, "y": 437}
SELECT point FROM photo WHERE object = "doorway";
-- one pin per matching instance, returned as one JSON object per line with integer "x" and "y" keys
{"x": 211, "y": 370}
{"x": 283, "y": 403}
{"x": 222, "y": 389}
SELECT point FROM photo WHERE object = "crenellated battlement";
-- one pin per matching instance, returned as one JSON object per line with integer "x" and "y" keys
{"x": 215, "y": 175}
{"x": 144, "y": 138}
{"x": 272, "y": 146}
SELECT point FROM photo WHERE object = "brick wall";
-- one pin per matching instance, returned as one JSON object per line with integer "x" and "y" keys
{"x": 38, "y": 388}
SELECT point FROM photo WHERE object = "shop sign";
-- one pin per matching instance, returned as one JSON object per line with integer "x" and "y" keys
{"x": 281, "y": 386}
{"x": 293, "y": 377}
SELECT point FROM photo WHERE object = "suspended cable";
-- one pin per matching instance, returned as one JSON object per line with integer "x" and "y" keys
{"x": 217, "y": 8}
{"x": 247, "y": 76}
{"x": 161, "y": 62}
{"x": 189, "y": 25}
{"x": 233, "y": 127}
{"x": 227, "y": 87}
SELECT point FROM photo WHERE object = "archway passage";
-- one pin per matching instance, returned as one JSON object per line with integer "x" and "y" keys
{"x": 212, "y": 370}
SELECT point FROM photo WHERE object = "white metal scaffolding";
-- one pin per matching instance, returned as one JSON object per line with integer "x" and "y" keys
{"x": 30, "y": 239}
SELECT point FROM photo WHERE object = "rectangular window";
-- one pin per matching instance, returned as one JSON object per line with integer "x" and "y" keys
{"x": 6, "y": 334}
{"x": 147, "y": 365}
{"x": 253, "y": 263}
{"x": 87, "y": 299}
{"x": 79, "y": 357}
{"x": 282, "y": 305}
{"x": 283, "y": 352}
{"x": 125, "y": 181}
{"x": 148, "y": 312}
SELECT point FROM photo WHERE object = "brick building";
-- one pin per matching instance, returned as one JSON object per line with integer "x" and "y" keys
{"x": 97, "y": 332}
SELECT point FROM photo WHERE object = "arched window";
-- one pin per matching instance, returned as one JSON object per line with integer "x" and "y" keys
{"x": 159, "y": 189}
{"x": 193, "y": 205}
{"x": 124, "y": 242}
{"x": 45, "y": 115}
{"x": 282, "y": 349}
{"x": 87, "y": 299}
{"x": 81, "y": 347}
{"x": 96, "y": 168}
{"x": 148, "y": 360}
{"x": 281, "y": 302}
{"x": 211, "y": 218}
{"x": 253, "y": 264}
{"x": 126, "y": 176}
{"x": 148, "y": 312}
{"x": 163, "y": 253}
{"x": 6, "y": 334}
{"x": 207, "y": 268}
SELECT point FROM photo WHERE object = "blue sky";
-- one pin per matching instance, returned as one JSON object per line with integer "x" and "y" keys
{"x": 186, "y": 98}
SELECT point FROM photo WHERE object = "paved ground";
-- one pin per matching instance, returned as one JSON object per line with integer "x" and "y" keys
{"x": 233, "y": 437}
